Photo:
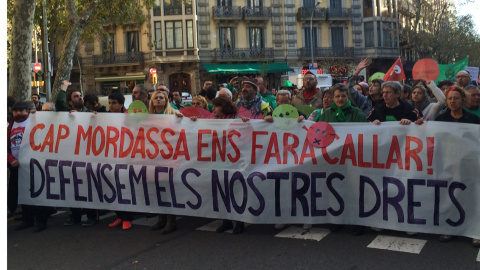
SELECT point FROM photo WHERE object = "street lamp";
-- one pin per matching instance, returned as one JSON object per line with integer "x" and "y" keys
{"x": 311, "y": 32}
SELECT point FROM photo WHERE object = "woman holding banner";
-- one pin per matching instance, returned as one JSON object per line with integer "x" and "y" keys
{"x": 159, "y": 105}
{"x": 456, "y": 99}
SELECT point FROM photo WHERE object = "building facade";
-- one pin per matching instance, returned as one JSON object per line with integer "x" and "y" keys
{"x": 294, "y": 32}
{"x": 124, "y": 55}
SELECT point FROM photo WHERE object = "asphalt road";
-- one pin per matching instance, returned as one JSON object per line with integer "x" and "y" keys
{"x": 192, "y": 246}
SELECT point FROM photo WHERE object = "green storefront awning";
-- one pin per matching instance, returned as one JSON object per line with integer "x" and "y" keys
{"x": 214, "y": 69}
{"x": 120, "y": 78}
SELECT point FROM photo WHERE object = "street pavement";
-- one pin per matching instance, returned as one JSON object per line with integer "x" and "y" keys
{"x": 195, "y": 245}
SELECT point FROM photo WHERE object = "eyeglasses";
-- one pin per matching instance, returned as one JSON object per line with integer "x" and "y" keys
{"x": 197, "y": 103}
{"x": 462, "y": 76}
{"x": 308, "y": 79}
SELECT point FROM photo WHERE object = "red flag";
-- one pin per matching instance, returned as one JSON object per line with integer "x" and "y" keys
{"x": 395, "y": 73}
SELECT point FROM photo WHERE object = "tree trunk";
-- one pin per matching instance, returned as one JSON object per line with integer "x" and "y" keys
{"x": 65, "y": 63}
{"x": 21, "y": 50}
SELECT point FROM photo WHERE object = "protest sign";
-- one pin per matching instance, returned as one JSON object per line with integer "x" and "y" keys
{"x": 426, "y": 69}
{"x": 449, "y": 71}
{"x": 411, "y": 178}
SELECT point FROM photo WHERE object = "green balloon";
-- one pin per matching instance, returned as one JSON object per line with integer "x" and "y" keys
{"x": 137, "y": 107}
{"x": 377, "y": 75}
{"x": 285, "y": 116}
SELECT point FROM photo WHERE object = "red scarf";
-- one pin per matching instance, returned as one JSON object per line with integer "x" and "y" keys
{"x": 308, "y": 95}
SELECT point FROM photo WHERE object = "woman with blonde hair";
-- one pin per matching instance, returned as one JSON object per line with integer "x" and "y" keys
{"x": 199, "y": 102}
{"x": 159, "y": 105}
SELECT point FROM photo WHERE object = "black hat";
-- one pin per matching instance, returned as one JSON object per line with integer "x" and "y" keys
{"x": 21, "y": 105}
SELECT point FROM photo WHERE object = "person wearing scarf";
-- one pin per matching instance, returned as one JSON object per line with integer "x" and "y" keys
{"x": 251, "y": 101}
{"x": 342, "y": 109}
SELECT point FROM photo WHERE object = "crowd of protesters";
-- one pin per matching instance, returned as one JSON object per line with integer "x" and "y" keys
{"x": 355, "y": 101}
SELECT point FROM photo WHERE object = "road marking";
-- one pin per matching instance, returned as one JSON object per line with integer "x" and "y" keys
{"x": 295, "y": 232}
{"x": 212, "y": 226}
{"x": 478, "y": 256}
{"x": 398, "y": 244}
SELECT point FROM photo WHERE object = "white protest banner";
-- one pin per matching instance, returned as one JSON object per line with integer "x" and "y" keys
{"x": 473, "y": 73}
{"x": 411, "y": 178}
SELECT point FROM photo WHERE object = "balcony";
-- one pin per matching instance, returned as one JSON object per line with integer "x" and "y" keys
{"x": 327, "y": 52}
{"x": 227, "y": 13}
{"x": 172, "y": 10}
{"x": 118, "y": 58}
{"x": 304, "y": 14}
{"x": 243, "y": 54}
{"x": 339, "y": 13}
{"x": 257, "y": 13}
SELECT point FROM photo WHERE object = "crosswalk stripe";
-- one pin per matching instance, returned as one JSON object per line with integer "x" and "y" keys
{"x": 478, "y": 256}
{"x": 295, "y": 232}
{"x": 398, "y": 244}
{"x": 212, "y": 226}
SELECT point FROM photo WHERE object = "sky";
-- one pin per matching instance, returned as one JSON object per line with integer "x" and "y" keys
{"x": 469, "y": 7}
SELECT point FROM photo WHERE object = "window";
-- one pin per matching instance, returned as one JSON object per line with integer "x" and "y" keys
{"x": 256, "y": 38}
{"x": 255, "y": 3}
{"x": 158, "y": 36}
{"x": 226, "y": 38}
{"x": 335, "y": 4}
{"x": 224, "y": 3}
{"x": 379, "y": 35}
{"x": 369, "y": 34}
{"x": 337, "y": 41}
{"x": 309, "y": 3}
{"x": 173, "y": 35}
{"x": 172, "y": 7}
{"x": 132, "y": 42}
{"x": 189, "y": 33}
{"x": 108, "y": 44}
{"x": 387, "y": 34}
{"x": 307, "y": 37}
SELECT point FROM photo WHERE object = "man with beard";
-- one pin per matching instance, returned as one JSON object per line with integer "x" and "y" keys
{"x": 310, "y": 95}
{"x": 71, "y": 101}
{"x": 463, "y": 78}
{"x": 251, "y": 101}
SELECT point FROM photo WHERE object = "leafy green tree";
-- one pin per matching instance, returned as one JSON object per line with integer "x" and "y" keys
{"x": 70, "y": 21}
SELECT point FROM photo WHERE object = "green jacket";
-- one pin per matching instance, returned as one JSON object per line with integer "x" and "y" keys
{"x": 61, "y": 103}
{"x": 270, "y": 99}
{"x": 352, "y": 114}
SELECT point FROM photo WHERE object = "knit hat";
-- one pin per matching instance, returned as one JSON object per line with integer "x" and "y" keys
{"x": 21, "y": 105}
{"x": 251, "y": 81}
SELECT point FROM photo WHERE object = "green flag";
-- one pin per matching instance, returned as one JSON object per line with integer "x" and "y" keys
{"x": 448, "y": 72}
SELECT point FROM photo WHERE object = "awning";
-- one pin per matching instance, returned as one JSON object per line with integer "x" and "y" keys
{"x": 120, "y": 78}
{"x": 214, "y": 69}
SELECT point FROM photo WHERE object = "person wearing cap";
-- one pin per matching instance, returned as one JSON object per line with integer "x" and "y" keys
{"x": 251, "y": 101}
{"x": 287, "y": 85}
{"x": 310, "y": 95}
{"x": 262, "y": 91}
{"x": 31, "y": 214}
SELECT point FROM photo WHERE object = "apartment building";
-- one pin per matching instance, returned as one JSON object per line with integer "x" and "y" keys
{"x": 123, "y": 56}
{"x": 278, "y": 35}
{"x": 375, "y": 33}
